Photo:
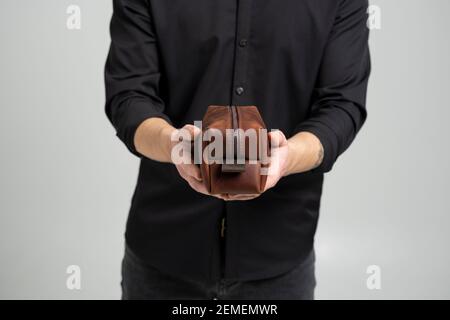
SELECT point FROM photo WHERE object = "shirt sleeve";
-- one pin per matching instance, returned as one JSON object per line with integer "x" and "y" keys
{"x": 132, "y": 72}
{"x": 338, "y": 108}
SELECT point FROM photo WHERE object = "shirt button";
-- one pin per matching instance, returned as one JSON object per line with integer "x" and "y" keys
{"x": 243, "y": 43}
{"x": 239, "y": 91}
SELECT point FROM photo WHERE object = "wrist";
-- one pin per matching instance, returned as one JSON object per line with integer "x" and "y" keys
{"x": 152, "y": 139}
{"x": 305, "y": 152}
{"x": 296, "y": 150}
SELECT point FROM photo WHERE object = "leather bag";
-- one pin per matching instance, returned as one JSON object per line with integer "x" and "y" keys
{"x": 240, "y": 171}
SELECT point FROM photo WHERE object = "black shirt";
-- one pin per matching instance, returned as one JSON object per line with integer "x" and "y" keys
{"x": 304, "y": 63}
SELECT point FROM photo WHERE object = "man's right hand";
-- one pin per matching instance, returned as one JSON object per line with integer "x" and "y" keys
{"x": 155, "y": 139}
{"x": 186, "y": 167}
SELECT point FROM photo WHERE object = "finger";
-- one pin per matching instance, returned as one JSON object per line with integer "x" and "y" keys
{"x": 277, "y": 138}
{"x": 271, "y": 182}
{"x": 186, "y": 135}
{"x": 193, "y": 171}
{"x": 242, "y": 197}
{"x": 193, "y": 130}
{"x": 181, "y": 171}
{"x": 189, "y": 170}
{"x": 197, "y": 186}
{"x": 221, "y": 196}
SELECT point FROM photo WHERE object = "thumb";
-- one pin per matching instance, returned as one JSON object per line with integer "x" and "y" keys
{"x": 277, "y": 139}
{"x": 193, "y": 130}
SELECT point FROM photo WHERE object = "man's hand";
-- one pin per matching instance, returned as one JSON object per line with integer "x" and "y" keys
{"x": 279, "y": 159}
{"x": 186, "y": 168}
{"x": 301, "y": 153}
{"x": 155, "y": 139}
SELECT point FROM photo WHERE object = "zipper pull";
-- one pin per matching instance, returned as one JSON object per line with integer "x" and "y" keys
{"x": 222, "y": 228}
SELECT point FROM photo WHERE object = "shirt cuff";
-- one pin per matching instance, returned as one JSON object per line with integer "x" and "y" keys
{"x": 328, "y": 139}
{"x": 132, "y": 116}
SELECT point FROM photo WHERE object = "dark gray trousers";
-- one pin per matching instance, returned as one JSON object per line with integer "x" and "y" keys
{"x": 143, "y": 282}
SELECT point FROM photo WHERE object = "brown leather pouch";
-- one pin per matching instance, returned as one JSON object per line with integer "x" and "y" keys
{"x": 240, "y": 171}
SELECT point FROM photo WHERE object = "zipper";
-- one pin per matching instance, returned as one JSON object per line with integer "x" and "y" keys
{"x": 235, "y": 167}
{"x": 235, "y": 125}
{"x": 234, "y": 118}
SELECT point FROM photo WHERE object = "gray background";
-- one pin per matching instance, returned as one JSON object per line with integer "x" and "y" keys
{"x": 66, "y": 181}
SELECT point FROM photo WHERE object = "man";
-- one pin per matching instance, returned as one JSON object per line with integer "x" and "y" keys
{"x": 305, "y": 64}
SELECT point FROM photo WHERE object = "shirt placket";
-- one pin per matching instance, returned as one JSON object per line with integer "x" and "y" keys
{"x": 241, "y": 53}
{"x": 239, "y": 97}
